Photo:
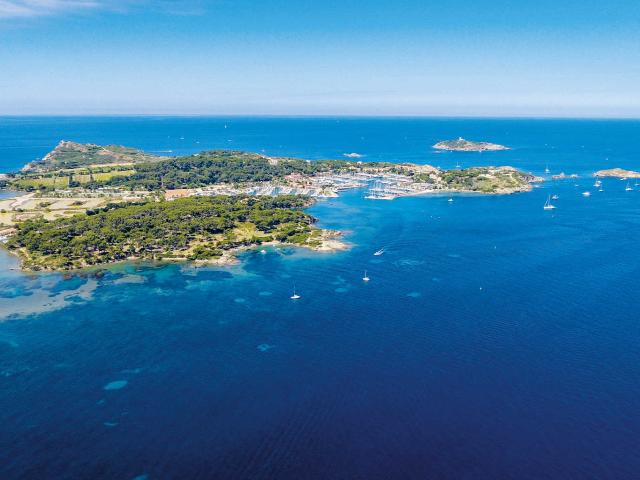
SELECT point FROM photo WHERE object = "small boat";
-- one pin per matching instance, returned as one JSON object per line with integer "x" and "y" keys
{"x": 263, "y": 251}
{"x": 546, "y": 169}
{"x": 295, "y": 296}
{"x": 379, "y": 252}
{"x": 597, "y": 183}
{"x": 450, "y": 200}
{"x": 554, "y": 197}
{"x": 366, "y": 277}
{"x": 629, "y": 187}
{"x": 548, "y": 205}
{"x": 586, "y": 194}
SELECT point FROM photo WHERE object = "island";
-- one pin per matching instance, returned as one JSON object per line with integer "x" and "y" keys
{"x": 617, "y": 173}
{"x": 85, "y": 205}
{"x": 203, "y": 229}
{"x": 462, "y": 145}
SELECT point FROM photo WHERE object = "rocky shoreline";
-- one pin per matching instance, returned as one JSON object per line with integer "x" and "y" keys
{"x": 617, "y": 173}
{"x": 462, "y": 145}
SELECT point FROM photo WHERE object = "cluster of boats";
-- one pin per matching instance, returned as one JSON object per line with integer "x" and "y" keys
{"x": 597, "y": 184}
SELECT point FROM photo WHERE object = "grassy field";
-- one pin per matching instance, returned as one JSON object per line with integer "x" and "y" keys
{"x": 28, "y": 183}
{"x": 103, "y": 176}
{"x": 30, "y": 206}
{"x": 81, "y": 176}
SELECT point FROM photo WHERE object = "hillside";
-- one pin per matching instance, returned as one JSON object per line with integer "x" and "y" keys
{"x": 69, "y": 155}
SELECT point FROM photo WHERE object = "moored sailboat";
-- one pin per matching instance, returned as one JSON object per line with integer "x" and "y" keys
{"x": 548, "y": 205}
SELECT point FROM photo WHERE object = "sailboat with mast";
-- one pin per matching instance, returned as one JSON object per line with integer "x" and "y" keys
{"x": 629, "y": 187}
{"x": 548, "y": 205}
{"x": 366, "y": 277}
{"x": 295, "y": 296}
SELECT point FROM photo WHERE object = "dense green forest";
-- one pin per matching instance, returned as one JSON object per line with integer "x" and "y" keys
{"x": 192, "y": 228}
{"x": 219, "y": 166}
{"x": 206, "y": 168}
{"x": 485, "y": 179}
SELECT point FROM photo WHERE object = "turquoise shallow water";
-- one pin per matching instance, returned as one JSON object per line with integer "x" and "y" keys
{"x": 494, "y": 340}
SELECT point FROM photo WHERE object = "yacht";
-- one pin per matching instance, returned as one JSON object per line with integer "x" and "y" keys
{"x": 629, "y": 187}
{"x": 379, "y": 252}
{"x": 586, "y": 194}
{"x": 366, "y": 277}
{"x": 295, "y": 296}
{"x": 548, "y": 205}
{"x": 554, "y": 197}
{"x": 546, "y": 169}
{"x": 450, "y": 200}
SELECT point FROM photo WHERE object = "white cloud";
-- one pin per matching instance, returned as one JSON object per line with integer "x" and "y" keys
{"x": 38, "y": 8}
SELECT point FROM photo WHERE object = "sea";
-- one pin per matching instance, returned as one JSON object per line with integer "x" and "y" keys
{"x": 494, "y": 340}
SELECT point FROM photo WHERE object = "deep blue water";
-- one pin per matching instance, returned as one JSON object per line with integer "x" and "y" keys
{"x": 494, "y": 340}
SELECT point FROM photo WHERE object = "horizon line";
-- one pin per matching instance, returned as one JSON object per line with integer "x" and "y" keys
{"x": 309, "y": 116}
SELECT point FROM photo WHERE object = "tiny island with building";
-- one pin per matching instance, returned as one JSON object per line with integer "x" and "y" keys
{"x": 462, "y": 145}
{"x": 84, "y": 205}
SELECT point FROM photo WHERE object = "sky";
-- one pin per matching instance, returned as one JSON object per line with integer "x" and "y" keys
{"x": 555, "y": 58}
